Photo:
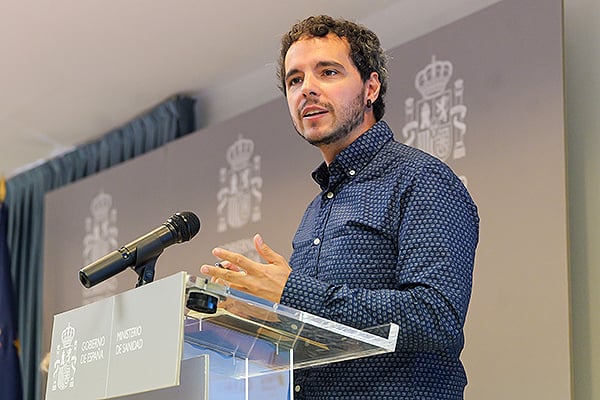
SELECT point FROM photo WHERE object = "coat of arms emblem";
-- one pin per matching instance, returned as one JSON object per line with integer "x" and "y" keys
{"x": 240, "y": 194}
{"x": 436, "y": 122}
{"x": 101, "y": 231}
{"x": 63, "y": 374}
{"x": 100, "y": 238}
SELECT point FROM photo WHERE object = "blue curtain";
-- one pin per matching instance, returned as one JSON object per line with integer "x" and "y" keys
{"x": 25, "y": 200}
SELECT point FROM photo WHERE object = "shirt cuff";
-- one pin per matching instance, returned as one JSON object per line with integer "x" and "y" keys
{"x": 303, "y": 293}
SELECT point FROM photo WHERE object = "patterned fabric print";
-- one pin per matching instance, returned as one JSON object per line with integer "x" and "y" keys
{"x": 391, "y": 238}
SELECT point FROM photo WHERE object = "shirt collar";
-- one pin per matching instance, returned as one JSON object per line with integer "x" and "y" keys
{"x": 355, "y": 157}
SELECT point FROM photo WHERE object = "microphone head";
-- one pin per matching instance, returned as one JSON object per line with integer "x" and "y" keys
{"x": 185, "y": 224}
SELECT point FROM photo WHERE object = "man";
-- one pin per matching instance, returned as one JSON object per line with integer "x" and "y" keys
{"x": 390, "y": 238}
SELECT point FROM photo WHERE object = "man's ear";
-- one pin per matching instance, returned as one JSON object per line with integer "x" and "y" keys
{"x": 373, "y": 85}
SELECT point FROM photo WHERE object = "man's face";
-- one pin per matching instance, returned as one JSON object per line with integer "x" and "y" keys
{"x": 325, "y": 94}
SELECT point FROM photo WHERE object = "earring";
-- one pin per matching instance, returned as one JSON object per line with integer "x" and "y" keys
{"x": 369, "y": 103}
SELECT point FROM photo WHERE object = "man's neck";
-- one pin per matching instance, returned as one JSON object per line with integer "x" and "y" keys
{"x": 331, "y": 150}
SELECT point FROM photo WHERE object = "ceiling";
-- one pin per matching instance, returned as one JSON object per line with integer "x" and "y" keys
{"x": 73, "y": 70}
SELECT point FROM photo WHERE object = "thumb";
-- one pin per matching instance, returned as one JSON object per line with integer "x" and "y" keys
{"x": 263, "y": 250}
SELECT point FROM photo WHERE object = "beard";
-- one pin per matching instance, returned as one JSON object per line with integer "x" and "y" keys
{"x": 351, "y": 116}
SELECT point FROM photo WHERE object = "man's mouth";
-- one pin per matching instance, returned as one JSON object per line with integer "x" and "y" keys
{"x": 313, "y": 112}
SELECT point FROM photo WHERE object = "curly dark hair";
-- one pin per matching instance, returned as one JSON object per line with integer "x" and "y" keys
{"x": 365, "y": 50}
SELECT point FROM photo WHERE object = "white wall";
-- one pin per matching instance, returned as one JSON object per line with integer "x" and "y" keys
{"x": 582, "y": 73}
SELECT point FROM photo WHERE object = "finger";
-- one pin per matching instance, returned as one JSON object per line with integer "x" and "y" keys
{"x": 218, "y": 280}
{"x": 228, "y": 265}
{"x": 242, "y": 262}
{"x": 222, "y": 273}
{"x": 221, "y": 281}
{"x": 265, "y": 251}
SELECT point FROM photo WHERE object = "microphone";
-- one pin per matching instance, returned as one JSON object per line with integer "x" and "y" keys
{"x": 180, "y": 227}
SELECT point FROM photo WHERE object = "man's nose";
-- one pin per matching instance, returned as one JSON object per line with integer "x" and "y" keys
{"x": 309, "y": 86}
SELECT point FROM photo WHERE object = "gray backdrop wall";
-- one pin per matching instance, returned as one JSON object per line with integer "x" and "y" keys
{"x": 497, "y": 120}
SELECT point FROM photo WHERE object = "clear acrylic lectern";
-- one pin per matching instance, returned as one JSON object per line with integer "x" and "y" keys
{"x": 184, "y": 337}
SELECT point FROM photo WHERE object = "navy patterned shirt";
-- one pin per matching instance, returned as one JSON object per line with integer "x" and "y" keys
{"x": 391, "y": 238}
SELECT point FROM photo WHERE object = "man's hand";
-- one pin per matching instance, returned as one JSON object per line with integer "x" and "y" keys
{"x": 241, "y": 273}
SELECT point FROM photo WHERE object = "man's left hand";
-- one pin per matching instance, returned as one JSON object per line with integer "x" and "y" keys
{"x": 241, "y": 273}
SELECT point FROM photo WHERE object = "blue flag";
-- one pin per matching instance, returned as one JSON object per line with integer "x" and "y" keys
{"x": 10, "y": 372}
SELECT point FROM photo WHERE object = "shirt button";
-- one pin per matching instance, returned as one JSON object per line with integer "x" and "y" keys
{"x": 316, "y": 241}
{"x": 352, "y": 172}
{"x": 297, "y": 388}
{"x": 329, "y": 195}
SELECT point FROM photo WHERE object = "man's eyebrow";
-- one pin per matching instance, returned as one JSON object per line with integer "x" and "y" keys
{"x": 290, "y": 73}
{"x": 320, "y": 64}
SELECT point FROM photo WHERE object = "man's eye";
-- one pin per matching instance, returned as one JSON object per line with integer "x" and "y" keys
{"x": 330, "y": 72}
{"x": 294, "y": 81}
